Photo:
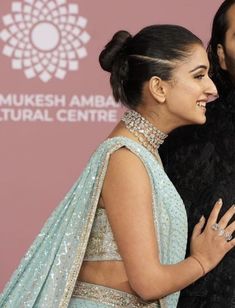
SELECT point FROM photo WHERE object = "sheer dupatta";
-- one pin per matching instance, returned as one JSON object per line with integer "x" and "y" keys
{"x": 48, "y": 272}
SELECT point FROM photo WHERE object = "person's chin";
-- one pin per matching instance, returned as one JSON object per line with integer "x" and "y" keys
{"x": 198, "y": 121}
{"x": 201, "y": 121}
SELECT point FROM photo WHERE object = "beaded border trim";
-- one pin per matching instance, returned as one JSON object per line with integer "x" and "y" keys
{"x": 104, "y": 295}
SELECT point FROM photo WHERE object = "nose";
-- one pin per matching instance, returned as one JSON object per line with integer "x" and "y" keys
{"x": 211, "y": 89}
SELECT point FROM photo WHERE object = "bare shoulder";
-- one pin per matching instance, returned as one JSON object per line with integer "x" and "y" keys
{"x": 124, "y": 163}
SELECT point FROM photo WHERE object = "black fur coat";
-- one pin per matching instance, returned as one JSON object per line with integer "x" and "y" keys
{"x": 200, "y": 161}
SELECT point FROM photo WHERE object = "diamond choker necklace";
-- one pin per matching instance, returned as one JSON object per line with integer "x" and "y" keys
{"x": 148, "y": 135}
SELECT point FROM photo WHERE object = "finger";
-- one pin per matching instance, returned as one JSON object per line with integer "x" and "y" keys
{"x": 230, "y": 228}
{"x": 231, "y": 244}
{"x": 227, "y": 216}
{"x": 197, "y": 230}
{"x": 214, "y": 213}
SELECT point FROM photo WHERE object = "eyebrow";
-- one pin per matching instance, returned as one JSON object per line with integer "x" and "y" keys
{"x": 198, "y": 67}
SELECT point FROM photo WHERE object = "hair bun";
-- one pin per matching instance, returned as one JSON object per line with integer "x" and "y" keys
{"x": 113, "y": 49}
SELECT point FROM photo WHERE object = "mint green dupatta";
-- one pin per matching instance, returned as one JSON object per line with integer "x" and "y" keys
{"x": 47, "y": 274}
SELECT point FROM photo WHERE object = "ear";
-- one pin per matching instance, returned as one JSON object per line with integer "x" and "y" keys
{"x": 221, "y": 56}
{"x": 157, "y": 89}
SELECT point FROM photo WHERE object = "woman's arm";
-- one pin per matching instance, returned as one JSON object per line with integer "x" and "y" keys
{"x": 127, "y": 197}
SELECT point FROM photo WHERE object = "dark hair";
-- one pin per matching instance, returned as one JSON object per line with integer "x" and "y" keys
{"x": 219, "y": 28}
{"x": 151, "y": 52}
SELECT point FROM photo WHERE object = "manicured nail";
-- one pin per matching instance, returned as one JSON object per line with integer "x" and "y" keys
{"x": 220, "y": 201}
{"x": 202, "y": 218}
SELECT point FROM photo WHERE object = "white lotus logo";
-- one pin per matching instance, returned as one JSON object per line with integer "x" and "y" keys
{"x": 45, "y": 38}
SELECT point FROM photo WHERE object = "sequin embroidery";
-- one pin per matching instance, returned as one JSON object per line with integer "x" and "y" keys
{"x": 101, "y": 245}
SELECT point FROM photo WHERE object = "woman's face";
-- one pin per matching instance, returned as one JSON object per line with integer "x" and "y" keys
{"x": 190, "y": 89}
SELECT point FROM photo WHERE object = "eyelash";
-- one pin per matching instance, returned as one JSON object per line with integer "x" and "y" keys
{"x": 199, "y": 76}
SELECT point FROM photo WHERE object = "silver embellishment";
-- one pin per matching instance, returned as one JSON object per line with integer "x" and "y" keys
{"x": 101, "y": 245}
{"x": 228, "y": 236}
{"x": 73, "y": 274}
{"x": 108, "y": 296}
{"x": 215, "y": 227}
{"x": 222, "y": 232}
{"x": 148, "y": 135}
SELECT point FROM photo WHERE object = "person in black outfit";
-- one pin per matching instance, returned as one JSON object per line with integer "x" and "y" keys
{"x": 200, "y": 161}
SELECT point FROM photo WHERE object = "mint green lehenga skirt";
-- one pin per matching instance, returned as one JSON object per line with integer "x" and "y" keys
{"x": 87, "y": 295}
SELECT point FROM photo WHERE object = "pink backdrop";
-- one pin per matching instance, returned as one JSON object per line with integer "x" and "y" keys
{"x": 44, "y": 150}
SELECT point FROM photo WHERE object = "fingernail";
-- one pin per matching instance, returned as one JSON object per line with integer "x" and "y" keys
{"x": 233, "y": 206}
{"x": 220, "y": 201}
{"x": 202, "y": 218}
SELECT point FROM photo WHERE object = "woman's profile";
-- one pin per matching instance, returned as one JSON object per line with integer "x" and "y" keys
{"x": 118, "y": 239}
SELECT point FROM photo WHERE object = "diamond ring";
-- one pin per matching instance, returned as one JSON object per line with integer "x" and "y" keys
{"x": 215, "y": 227}
{"x": 228, "y": 236}
{"x": 222, "y": 232}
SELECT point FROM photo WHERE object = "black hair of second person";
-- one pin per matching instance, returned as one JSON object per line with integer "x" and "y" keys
{"x": 219, "y": 28}
{"x": 153, "y": 51}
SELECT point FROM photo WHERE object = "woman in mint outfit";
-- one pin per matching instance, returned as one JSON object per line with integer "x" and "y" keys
{"x": 118, "y": 238}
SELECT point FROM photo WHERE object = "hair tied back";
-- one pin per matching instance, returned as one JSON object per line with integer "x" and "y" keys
{"x": 115, "y": 49}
